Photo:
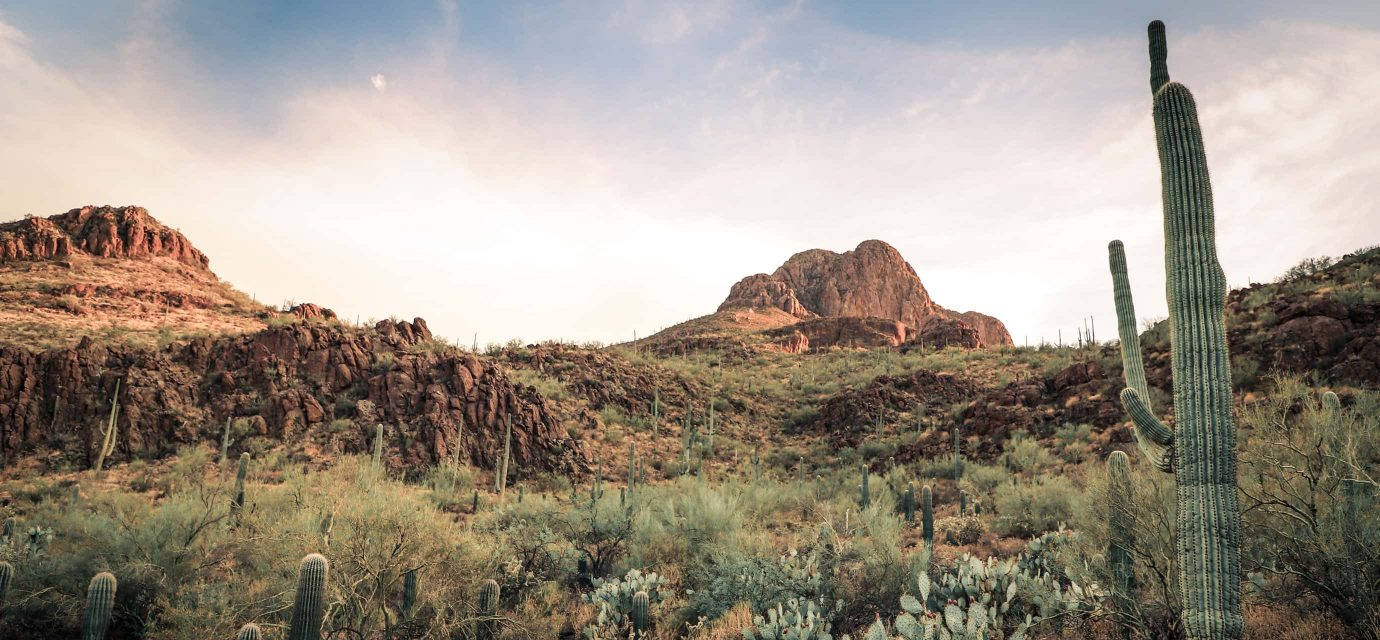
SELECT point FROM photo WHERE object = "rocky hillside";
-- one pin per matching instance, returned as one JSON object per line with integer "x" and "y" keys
{"x": 301, "y": 380}
{"x": 867, "y": 297}
{"x": 115, "y": 274}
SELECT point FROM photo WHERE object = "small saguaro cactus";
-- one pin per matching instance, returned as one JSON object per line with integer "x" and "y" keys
{"x": 962, "y": 503}
{"x": 225, "y": 443}
{"x": 908, "y": 503}
{"x": 6, "y": 576}
{"x": 927, "y": 515}
{"x": 865, "y": 500}
{"x": 487, "y": 629}
{"x": 1201, "y": 449}
{"x": 474, "y": 502}
{"x": 100, "y": 602}
{"x": 241, "y": 472}
{"x": 632, "y": 466}
{"x": 378, "y": 448}
{"x": 409, "y": 593}
{"x": 640, "y": 603}
{"x": 309, "y": 605}
{"x": 107, "y": 445}
{"x": 250, "y": 631}
{"x": 1120, "y": 537}
{"x": 958, "y": 450}
{"x": 501, "y": 469}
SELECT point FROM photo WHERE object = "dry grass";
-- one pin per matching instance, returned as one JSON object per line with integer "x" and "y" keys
{"x": 50, "y": 304}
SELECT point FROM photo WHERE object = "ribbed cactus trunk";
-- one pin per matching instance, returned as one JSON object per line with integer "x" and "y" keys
{"x": 958, "y": 450}
{"x": 487, "y": 629}
{"x": 1120, "y": 538}
{"x": 908, "y": 503}
{"x": 100, "y": 602}
{"x": 501, "y": 469}
{"x": 309, "y": 606}
{"x": 632, "y": 466}
{"x": 250, "y": 631}
{"x": 409, "y": 593}
{"x": 1201, "y": 450}
{"x": 6, "y": 577}
{"x": 640, "y": 602}
{"x": 927, "y": 515}
{"x": 377, "y": 459}
{"x": 962, "y": 503}
{"x": 241, "y": 473}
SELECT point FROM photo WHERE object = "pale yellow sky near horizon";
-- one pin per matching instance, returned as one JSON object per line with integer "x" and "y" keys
{"x": 487, "y": 208}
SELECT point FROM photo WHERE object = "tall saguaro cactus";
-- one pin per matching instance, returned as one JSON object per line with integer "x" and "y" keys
{"x": 108, "y": 434}
{"x": 241, "y": 472}
{"x": 100, "y": 602}
{"x": 1120, "y": 536}
{"x": 309, "y": 606}
{"x": 927, "y": 515}
{"x": 1201, "y": 450}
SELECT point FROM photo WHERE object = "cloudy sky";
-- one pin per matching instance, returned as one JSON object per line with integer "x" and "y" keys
{"x": 587, "y": 169}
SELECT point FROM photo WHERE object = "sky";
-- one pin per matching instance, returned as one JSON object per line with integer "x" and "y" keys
{"x": 589, "y": 169}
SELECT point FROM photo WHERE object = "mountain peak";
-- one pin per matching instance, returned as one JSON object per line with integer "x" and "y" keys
{"x": 871, "y": 281}
{"x": 97, "y": 231}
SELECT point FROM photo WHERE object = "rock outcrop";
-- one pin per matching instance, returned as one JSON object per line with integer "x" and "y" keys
{"x": 103, "y": 232}
{"x": 871, "y": 281}
{"x": 316, "y": 387}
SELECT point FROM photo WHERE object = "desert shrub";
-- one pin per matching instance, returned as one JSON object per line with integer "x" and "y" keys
{"x": 1030, "y": 508}
{"x": 960, "y": 530}
{"x": 1071, "y": 442}
{"x": 873, "y": 570}
{"x": 1305, "y": 268}
{"x": 762, "y": 583}
{"x": 532, "y": 551}
{"x": 600, "y": 531}
{"x": 1023, "y": 454}
{"x": 1310, "y": 501}
{"x": 985, "y": 478}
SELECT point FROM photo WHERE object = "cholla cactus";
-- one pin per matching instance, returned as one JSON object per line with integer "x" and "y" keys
{"x": 250, "y": 631}
{"x": 100, "y": 602}
{"x": 616, "y": 601}
{"x": 787, "y": 621}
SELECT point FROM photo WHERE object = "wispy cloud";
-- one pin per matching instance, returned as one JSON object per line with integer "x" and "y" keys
{"x": 487, "y": 202}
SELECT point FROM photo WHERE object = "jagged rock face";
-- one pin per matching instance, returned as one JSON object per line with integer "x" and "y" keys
{"x": 103, "y": 232}
{"x": 290, "y": 383}
{"x": 871, "y": 281}
{"x": 845, "y": 332}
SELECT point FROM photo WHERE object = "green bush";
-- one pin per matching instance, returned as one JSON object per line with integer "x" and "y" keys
{"x": 1029, "y": 508}
{"x": 1023, "y": 454}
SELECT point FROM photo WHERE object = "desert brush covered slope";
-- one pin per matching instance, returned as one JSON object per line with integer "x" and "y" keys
{"x": 828, "y": 454}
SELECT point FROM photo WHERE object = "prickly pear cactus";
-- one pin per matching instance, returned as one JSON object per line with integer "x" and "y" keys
{"x": 309, "y": 605}
{"x": 794, "y": 619}
{"x": 100, "y": 602}
{"x": 616, "y": 600}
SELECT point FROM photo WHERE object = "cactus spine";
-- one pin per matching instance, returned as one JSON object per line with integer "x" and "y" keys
{"x": 488, "y": 611}
{"x": 100, "y": 601}
{"x": 6, "y": 576}
{"x": 250, "y": 631}
{"x": 409, "y": 594}
{"x": 640, "y": 602}
{"x": 1120, "y": 537}
{"x": 108, "y": 434}
{"x": 1201, "y": 451}
{"x": 310, "y": 603}
{"x": 927, "y": 515}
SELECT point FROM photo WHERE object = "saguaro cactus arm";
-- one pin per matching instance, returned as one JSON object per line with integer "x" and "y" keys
{"x": 1159, "y": 54}
{"x": 1153, "y": 438}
